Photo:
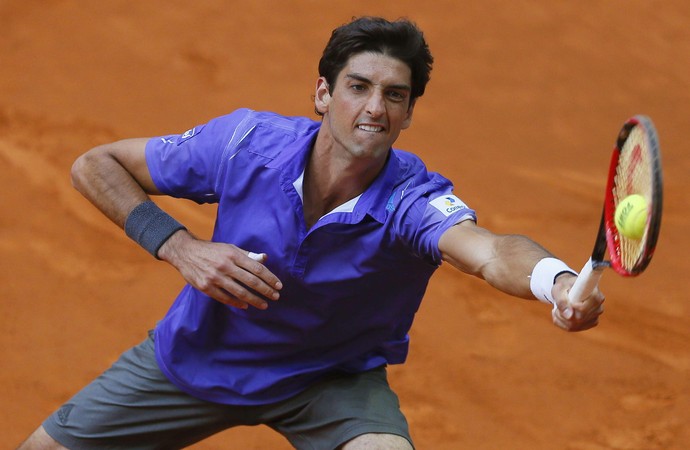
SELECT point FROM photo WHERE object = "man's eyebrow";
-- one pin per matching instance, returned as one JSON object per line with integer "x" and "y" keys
{"x": 358, "y": 77}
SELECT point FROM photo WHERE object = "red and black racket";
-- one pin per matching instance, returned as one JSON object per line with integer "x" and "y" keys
{"x": 635, "y": 169}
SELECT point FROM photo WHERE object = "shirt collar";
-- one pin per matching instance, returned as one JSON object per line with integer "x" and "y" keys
{"x": 348, "y": 206}
{"x": 373, "y": 201}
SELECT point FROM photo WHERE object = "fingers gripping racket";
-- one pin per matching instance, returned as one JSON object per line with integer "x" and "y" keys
{"x": 635, "y": 169}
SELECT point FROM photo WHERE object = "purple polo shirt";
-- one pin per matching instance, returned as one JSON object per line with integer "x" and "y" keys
{"x": 352, "y": 283}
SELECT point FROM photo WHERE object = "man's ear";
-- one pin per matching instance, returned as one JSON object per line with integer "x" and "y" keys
{"x": 408, "y": 119}
{"x": 322, "y": 98}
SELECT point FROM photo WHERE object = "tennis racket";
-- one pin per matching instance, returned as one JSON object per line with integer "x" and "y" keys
{"x": 635, "y": 169}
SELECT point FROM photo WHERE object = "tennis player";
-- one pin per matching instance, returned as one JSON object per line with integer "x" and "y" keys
{"x": 325, "y": 240}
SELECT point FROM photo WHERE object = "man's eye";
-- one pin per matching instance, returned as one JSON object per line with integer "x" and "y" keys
{"x": 397, "y": 96}
{"x": 358, "y": 87}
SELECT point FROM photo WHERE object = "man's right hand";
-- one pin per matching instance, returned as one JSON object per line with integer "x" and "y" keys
{"x": 224, "y": 272}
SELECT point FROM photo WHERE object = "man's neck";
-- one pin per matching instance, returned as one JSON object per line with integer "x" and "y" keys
{"x": 332, "y": 178}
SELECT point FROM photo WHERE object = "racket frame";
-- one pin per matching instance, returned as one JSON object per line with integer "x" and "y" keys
{"x": 608, "y": 237}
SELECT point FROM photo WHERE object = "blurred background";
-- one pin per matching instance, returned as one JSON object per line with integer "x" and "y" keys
{"x": 522, "y": 111}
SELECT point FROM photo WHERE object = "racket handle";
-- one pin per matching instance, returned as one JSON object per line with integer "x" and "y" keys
{"x": 586, "y": 281}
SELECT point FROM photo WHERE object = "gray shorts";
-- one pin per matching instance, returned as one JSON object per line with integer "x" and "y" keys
{"x": 132, "y": 405}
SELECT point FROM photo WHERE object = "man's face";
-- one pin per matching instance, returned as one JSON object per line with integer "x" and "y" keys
{"x": 368, "y": 106}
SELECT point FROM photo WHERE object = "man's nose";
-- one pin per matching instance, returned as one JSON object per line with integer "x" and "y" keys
{"x": 376, "y": 104}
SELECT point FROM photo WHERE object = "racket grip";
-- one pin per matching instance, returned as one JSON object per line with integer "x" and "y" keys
{"x": 586, "y": 282}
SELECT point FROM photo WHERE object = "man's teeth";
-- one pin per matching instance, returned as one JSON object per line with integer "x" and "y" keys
{"x": 370, "y": 128}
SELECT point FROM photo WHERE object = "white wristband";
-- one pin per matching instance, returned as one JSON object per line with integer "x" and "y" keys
{"x": 544, "y": 276}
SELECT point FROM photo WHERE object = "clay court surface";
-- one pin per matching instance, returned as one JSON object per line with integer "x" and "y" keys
{"x": 521, "y": 113}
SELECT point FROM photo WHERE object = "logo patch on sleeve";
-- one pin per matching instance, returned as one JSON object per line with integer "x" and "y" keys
{"x": 447, "y": 204}
{"x": 187, "y": 135}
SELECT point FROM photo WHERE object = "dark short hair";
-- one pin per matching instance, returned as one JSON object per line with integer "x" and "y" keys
{"x": 400, "y": 39}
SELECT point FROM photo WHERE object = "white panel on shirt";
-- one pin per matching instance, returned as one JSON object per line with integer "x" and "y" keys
{"x": 348, "y": 206}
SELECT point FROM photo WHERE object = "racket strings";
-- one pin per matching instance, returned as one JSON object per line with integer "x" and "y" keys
{"x": 633, "y": 176}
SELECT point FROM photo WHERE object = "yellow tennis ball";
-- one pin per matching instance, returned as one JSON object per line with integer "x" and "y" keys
{"x": 631, "y": 216}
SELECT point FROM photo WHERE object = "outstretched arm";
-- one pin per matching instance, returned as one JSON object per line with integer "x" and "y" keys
{"x": 116, "y": 179}
{"x": 507, "y": 262}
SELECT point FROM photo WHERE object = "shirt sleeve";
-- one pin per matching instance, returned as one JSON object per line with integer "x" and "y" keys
{"x": 428, "y": 214}
{"x": 188, "y": 165}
